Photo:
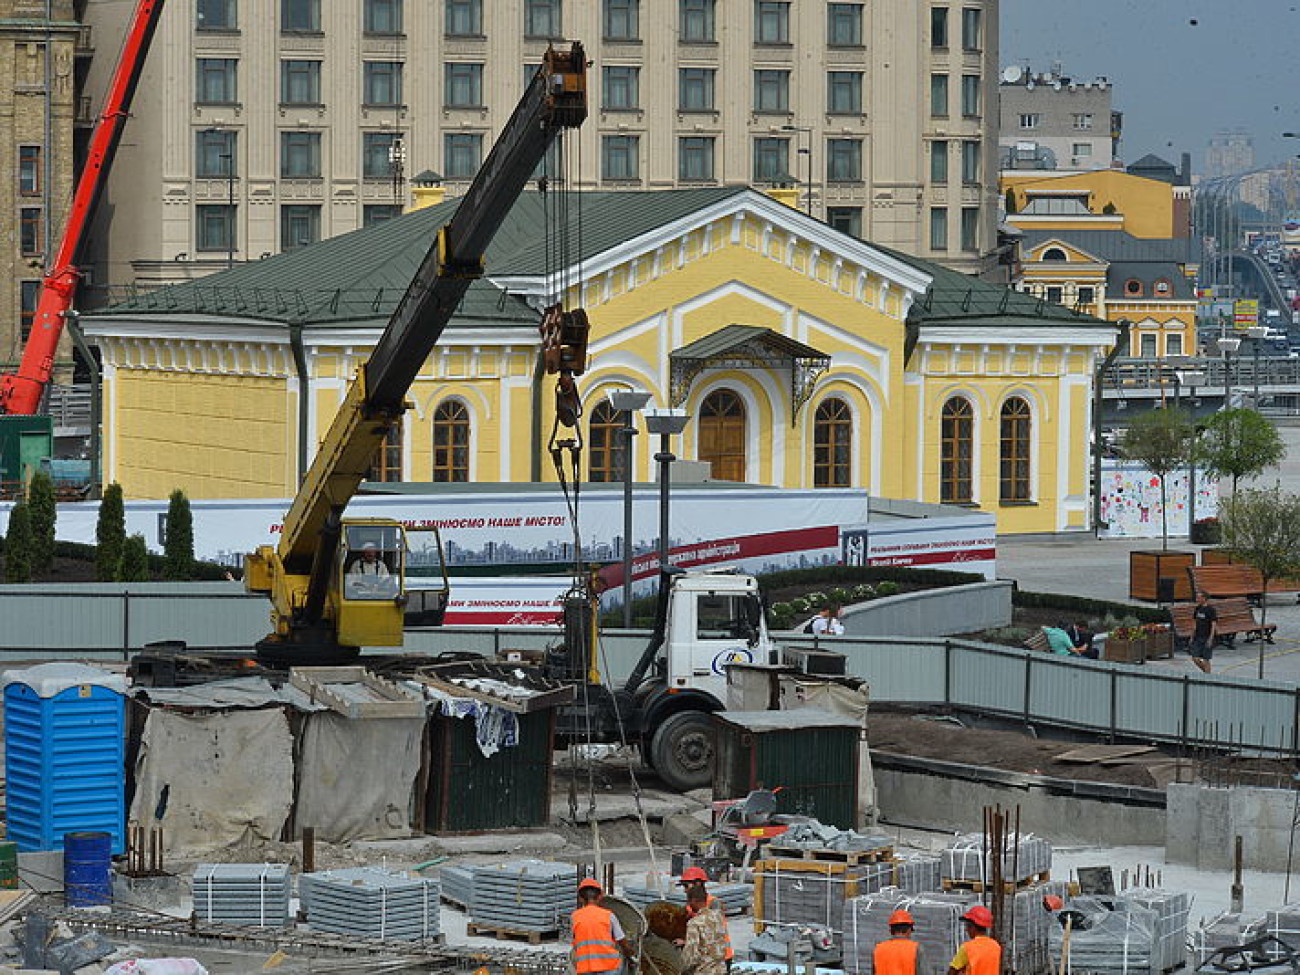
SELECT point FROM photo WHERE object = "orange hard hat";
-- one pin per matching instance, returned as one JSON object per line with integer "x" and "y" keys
{"x": 590, "y": 883}
{"x": 900, "y": 917}
{"x": 980, "y": 916}
{"x": 692, "y": 874}
{"x": 1053, "y": 903}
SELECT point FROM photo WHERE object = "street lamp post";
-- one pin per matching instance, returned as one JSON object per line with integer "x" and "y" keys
{"x": 1228, "y": 344}
{"x": 628, "y": 402}
{"x": 665, "y": 423}
{"x": 229, "y": 158}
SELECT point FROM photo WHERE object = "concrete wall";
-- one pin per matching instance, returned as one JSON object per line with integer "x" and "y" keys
{"x": 1203, "y": 822}
{"x": 933, "y": 612}
{"x": 946, "y": 795}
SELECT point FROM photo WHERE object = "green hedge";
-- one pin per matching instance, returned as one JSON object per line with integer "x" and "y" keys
{"x": 1082, "y": 606}
{"x": 81, "y": 552}
{"x": 866, "y": 573}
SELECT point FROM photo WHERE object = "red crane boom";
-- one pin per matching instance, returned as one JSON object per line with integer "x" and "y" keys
{"x": 21, "y": 392}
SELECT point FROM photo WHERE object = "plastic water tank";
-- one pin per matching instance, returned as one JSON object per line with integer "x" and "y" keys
{"x": 64, "y": 728}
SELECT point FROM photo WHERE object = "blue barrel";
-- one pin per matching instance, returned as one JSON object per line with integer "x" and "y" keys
{"x": 87, "y": 869}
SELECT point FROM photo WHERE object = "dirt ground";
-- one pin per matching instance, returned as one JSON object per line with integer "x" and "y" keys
{"x": 947, "y": 739}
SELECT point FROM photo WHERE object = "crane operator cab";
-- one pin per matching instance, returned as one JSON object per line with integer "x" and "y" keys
{"x": 372, "y": 560}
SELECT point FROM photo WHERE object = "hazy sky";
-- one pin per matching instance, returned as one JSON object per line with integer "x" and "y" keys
{"x": 1182, "y": 69}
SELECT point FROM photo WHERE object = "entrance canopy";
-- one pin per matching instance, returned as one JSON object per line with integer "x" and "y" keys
{"x": 753, "y": 348}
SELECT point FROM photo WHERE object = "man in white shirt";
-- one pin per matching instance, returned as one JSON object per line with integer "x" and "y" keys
{"x": 827, "y": 622}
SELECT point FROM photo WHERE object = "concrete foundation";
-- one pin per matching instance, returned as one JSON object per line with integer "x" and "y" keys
{"x": 1203, "y": 822}
{"x": 41, "y": 871}
{"x": 946, "y": 795}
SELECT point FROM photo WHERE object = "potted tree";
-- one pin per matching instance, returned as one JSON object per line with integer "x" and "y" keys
{"x": 1161, "y": 441}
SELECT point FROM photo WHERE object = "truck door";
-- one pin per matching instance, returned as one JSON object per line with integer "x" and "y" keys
{"x": 710, "y": 632}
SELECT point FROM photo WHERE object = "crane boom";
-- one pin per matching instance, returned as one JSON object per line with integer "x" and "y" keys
{"x": 299, "y": 572}
{"x": 21, "y": 392}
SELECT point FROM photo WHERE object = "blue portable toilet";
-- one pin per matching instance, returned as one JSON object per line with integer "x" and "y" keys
{"x": 64, "y": 754}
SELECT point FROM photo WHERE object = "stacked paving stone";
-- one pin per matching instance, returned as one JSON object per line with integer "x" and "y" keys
{"x": 735, "y": 898}
{"x": 1117, "y": 937}
{"x": 813, "y": 835}
{"x": 813, "y": 891}
{"x": 966, "y": 860}
{"x": 938, "y": 928}
{"x": 1227, "y": 930}
{"x": 1171, "y": 910}
{"x": 524, "y": 896}
{"x": 242, "y": 893}
{"x": 457, "y": 886}
{"x": 1029, "y": 948}
{"x": 1283, "y": 924}
{"x": 370, "y": 902}
{"x": 917, "y": 874}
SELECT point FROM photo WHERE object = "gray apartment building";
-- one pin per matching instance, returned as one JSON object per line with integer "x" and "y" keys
{"x": 1051, "y": 121}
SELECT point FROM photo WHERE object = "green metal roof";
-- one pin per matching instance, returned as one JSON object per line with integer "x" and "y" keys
{"x": 358, "y": 277}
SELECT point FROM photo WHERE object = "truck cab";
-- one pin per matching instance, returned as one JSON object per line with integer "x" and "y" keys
{"x": 715, "y": 618}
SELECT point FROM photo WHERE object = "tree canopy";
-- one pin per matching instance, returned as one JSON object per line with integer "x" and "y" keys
{"x": 1161, "y": 441}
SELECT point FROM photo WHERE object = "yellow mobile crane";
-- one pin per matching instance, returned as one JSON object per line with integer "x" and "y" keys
{"x": 338, "y": 584}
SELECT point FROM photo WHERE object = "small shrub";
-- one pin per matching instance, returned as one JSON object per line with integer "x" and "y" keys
{"x": 178, "y": 549}
{"x": 135, "y": 560}
{"x": 818, "y": 599}
{"x": 43, "y": 510}
{"x": 800, "y": 605}
{"x": 1010, "y": 635}
{"x": 19, "y": 541}
{"x": 783, "y": 615}
{"x": 887, "y": 588}
{"x": 110, "y": 535}
{"x": 840, "y": 596}
{"x": 864, "y": 591}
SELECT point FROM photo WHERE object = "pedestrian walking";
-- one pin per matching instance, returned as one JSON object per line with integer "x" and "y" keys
{"x": 1206, "y": 620}
{"x": 599, "y": 944}
{"x": 707, "y": 943}
{"x": 979, "y": 954}
{"x": 898, "y": 954}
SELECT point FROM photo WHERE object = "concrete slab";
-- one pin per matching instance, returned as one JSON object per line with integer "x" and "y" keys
{"x": 495, "y": 843}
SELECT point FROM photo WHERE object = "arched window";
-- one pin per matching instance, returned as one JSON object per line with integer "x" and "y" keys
{"x": 1013, "y": 476}
{"x": 387, "y": 465}
{"x": 957, "y": 438}
{"x": 832, "y": 444}
{"x": 451, "y": 442}
{"x": 605, "y": 442}
{"x": 1054, "y": 254}
{"x": 722, "y": 435}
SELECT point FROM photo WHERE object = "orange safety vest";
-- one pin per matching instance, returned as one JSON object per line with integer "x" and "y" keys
{"x": 896, "y": 956}
{"x": 594, "y": 947}
{"x": 983, "y": 956}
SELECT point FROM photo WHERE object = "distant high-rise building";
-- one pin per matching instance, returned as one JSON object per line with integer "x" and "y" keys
{"x": 1050, "y": 121}
{"x": 264, "y": 125}
{"x": 1229, "y": 153}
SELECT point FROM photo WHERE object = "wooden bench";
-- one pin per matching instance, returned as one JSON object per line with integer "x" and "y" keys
{"x": 1227, "y": 581}
{"x": 1038, "y": 642}
{"x": 1235, "y": 616}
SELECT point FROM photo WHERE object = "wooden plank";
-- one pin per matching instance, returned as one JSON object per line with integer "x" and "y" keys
{"x": 1088, "y": 754}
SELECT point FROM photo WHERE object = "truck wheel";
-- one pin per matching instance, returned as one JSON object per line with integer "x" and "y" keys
{"x": 682, "y": 751}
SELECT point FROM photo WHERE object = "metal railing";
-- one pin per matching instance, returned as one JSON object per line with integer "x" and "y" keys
{"x": 1152, "y": 374}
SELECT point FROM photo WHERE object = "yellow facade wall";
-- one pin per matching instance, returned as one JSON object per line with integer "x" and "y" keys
{"x": 213, "y": 436}
{"x": 1147, "y": 205}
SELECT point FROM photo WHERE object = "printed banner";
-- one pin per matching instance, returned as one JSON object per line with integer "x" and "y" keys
{"x": 1130, "y": 500}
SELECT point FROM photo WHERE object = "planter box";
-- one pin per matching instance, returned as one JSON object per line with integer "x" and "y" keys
{"x": 1146, "y": 569}
{"x": 1206, "y": 534}
{"x": 1126, "y": 651}
{"x": 1160, "y": 645}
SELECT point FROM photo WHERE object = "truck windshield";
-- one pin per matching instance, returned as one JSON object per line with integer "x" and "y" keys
{"x": 727, "y": 617}
{"x": 372, "y": 562}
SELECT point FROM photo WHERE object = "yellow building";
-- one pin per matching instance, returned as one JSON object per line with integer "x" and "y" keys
{"x": 1102, "y": 199}
{"x": 805, "y": 358}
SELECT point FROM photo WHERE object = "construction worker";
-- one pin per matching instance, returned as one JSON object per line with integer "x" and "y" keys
{"x": 707, "y": 944}
{"x": 899, "y": 954}
{"x": 599, "y": 944}
{"x": 695, "y": 878}
{"x": 979, "y": 954}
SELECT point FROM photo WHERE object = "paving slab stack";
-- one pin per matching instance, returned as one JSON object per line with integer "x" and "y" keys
{"x": 1171, "y": 910}
{"x": 814, "y": 835}
{"x": 938, "y": 928}
{"x": 242, "y": 893}
{"x": 370, "y": 902}
{"x": 524, "y": 896}
{"x": 813, "y": 891}
{"x": 1116, "y": 937}
{"x": 1222, "y": 931}
{"x": 1029, "y": 939}
{"x": 735, "y": 898}
{"x": 916, "y": 874}
{"x": 1283, "y": 924}
{"x": 967, "y": 860}
{"x": 457, "y": 885}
